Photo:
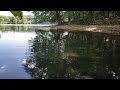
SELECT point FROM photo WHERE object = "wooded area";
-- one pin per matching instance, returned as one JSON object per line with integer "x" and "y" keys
{"x": 78, "y": 17}
{"x": 13, "y": 20}
{"x": 65, "y": 17}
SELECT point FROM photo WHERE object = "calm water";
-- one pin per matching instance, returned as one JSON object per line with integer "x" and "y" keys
{"x": 30, "y": 53}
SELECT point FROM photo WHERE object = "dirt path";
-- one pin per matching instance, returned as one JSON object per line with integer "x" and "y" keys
{"x": 93, "y": 28}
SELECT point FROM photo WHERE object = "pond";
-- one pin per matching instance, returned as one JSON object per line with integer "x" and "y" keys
{"x": 27, "y": 52}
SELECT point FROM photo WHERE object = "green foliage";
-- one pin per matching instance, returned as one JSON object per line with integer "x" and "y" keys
{"x": 14, "y": 20}
{"x": 42, "y": 16}
{"x": 18, "y": 19}
{"x": 78, "y": 17}
{"x": 24, "y": 20}
{"x": 17, "y": 13}
{"x": 47, "y": 16}
{"x": 1, "y": 20}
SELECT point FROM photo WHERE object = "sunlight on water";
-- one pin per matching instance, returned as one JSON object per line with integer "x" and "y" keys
{"x": 17, "y": 36}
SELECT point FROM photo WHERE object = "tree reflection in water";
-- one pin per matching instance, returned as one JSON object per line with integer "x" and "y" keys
{"x": 58, "y": 54}
{"x": 14, "y": 28}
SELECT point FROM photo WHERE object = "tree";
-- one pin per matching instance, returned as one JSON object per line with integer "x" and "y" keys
{"x": 2, "y": 20}
{"x": 48, "y": 16}
{"x": 18, "y": 19}
{"x": 24, "y": 20}
{"x": 14, "y": 20}
{"x": 78, "y": 17}
{"x": 17, "y": 13}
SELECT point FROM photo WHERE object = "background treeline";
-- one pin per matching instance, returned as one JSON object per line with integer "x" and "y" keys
{"x": 78, "y": 17}
{"x": 15, "y": 20}
{"x": 66, "y": 17}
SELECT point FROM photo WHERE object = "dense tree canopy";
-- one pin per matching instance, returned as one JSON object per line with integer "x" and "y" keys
{"x": 17, "y": 13}
{"x": 78, "y": 17}
{"x": 14, "y": 20}
{"x": 68, "y": 17}
{"x": 17, "y": 19}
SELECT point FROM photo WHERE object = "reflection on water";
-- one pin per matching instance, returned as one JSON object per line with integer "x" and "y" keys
{"x": 27, "y": 52}
{"x": 14, "y": 28}
{"x": 58, "y": 54}
{"x": 13, "y": 48}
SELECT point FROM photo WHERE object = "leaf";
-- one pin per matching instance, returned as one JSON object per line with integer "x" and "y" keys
{"x": 17, "y": 13}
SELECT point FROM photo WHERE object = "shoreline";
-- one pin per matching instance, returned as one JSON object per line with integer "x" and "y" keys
{"x": 41, "y": 25}
{"x": 113, "y": 29}
{"x": 92, "y": 28}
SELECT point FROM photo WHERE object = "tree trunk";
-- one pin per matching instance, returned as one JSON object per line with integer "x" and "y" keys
{"x": 108, "y": 14}
{"x": 69, "y": 19}
{"x": 102, "y": 13}
{"x": 58, "y": 18}
{"x": 91, "y": 14}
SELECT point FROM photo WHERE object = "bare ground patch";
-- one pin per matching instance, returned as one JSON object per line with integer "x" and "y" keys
{"x": 93, "y": 28}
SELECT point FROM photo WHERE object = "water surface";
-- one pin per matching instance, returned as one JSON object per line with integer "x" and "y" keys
{"x": 33, "y": 53}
